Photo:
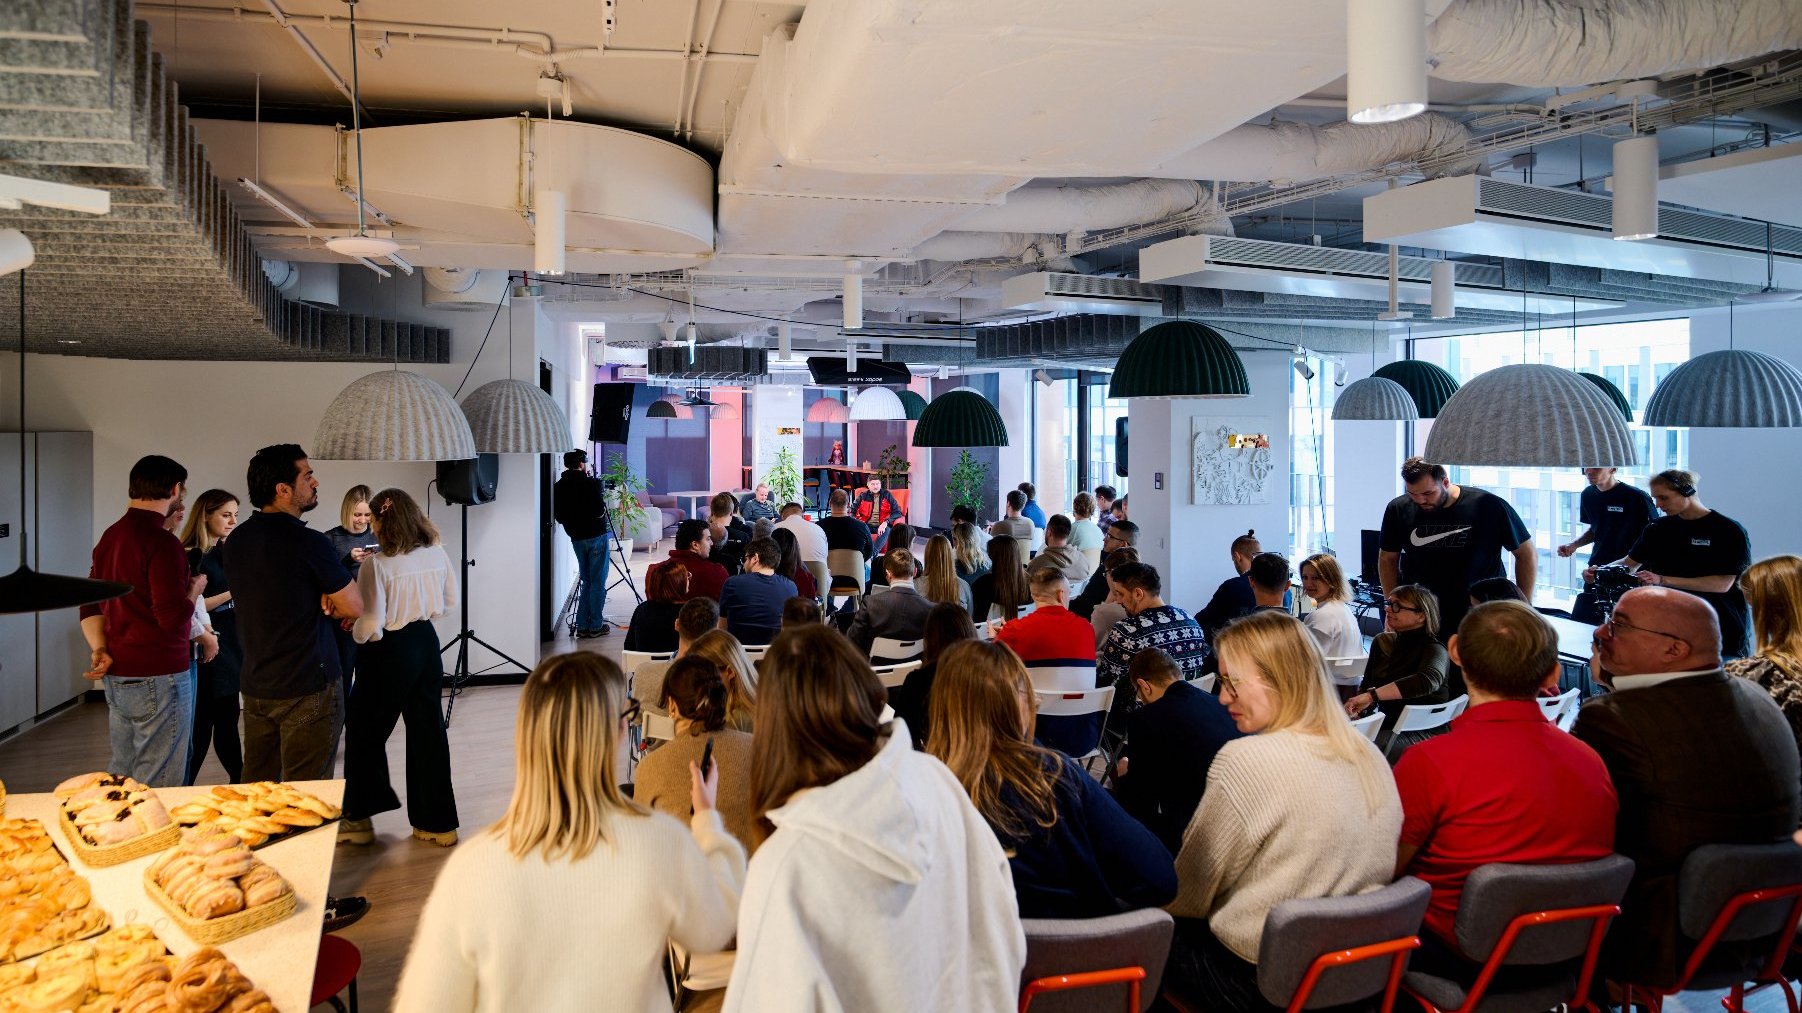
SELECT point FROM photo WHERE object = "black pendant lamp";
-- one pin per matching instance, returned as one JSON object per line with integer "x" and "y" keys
{"x": 1430, "y": 386}
{"x": 1180, "y": 358}
{"x": 912, "y": 403}
{"x": 960, "y": 418}
{"x": 1611, "y": 392}
{"x": 25, "y": 589}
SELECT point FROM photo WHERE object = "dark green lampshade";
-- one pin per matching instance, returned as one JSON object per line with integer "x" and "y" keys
{"x": 914, "y": 403}
{"x": 1180, "y": 358}
{"x": 661, "y": 410}
{"x": 26, "y": 590}
{"x": 1613, "y": 393}
{"x": 1430, "y": 386}
{"x": 960, "y": 418}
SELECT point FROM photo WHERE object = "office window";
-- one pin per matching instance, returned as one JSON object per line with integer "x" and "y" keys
{"x": 1102, "y": 452}
{"x": 1311, "y": 458}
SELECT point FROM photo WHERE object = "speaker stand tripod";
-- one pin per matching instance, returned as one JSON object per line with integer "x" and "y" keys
{"x": 460, "y": 674}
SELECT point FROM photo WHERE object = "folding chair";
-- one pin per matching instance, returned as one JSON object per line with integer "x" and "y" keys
{"x": 1206, "y": 683}
{"x": 755, "y": 652}
{"x": 888, "y": 651}
{"x": 632, "y": 661}
{"x": 894, "y": 675}
{"x": 1423, "y": 717}
{"x": 1074, "y": 723}
{"x": 1369, "y": 725}
{"x": 1347, "y": 670}
{"x": 1123, "y": 954}
{"x": 1064, "y": 676}
{"x": 1553, "y": 707}
{"x": 822, "y": 578}
{"x": 1332, "y": 951}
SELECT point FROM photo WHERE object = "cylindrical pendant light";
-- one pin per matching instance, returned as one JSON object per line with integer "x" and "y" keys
{"x": 1445, "y": 290}
{"x": 1636, "y": 187}
{"x": 784, "y": 340}
{"x": 853, "y": 295}
{"x": 548, "y": 207}
{"x": 1386, "y": 60}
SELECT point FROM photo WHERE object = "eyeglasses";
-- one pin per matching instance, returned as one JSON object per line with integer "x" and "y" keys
{"x": 1228, "y": 683}
{"x": 1396, "y": 606}
{"x": 632, "y": 711}
{"x": 1616, "y": 624}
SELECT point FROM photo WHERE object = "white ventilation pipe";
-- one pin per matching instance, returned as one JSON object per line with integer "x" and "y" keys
{"x": 1566, "y": 43}
{"x": 1297, "y": 152}
{"x": 1066, "y": 208}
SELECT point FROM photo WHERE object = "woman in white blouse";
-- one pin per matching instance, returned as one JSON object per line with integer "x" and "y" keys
{"x": 404, "y": 586}
{"x": 1334, "y": 627}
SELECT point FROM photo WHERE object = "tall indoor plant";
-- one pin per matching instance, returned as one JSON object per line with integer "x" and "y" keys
{"x": 892, "y": 466}
{"x": 968, "y": 478}
{"x": 621, "y": 486}
{"x": 784, "y": 478}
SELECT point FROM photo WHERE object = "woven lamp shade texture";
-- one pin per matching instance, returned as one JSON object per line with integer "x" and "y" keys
{"x": 1430, "y": 386}
{"x": 1374, "y": 399}
{"x": 877, "y": 404}
{"x": 722, "y": 411}
{"x": 1531, "y": 416}
{"x": 1179, "y": 358}
{"x": 828, "y": 411}
{"x": 914, "y": 403}
{"x": 1729, "y": 389}
{"x": 960, "y": 418}
{"x": 1612, "y": 393}
{"x": 514, "y": 417}
{"x": 394, "y": 415}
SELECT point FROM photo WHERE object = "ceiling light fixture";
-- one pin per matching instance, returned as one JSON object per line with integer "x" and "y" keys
{"x": 913, "y": 402}
{"x": 960, "y": 418}
{"x": 394, "y": 415}
{"x": 549, "y": 225}
{"x": 828, "y": 411}
{"x": 1636, "y": 187}
{"x": 1531, "y": 415}
{"x": 1375, "y": 399}
{"x": 361, "y": 245}
{"x": 1445, "y": 290}
{"x": 1386, "y": 60}
{"x": 1178, "y": 358}
{"x": 878, "y": 404}
{"x": 1729, "y": 389}
{"x": 1430, "y": 386}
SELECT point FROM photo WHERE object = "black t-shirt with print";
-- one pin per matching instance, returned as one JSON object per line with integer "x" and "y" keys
{"x": 1712, "y": 545}
{"x": 1449, "y": 549}
{"x": 1617, "y": 517}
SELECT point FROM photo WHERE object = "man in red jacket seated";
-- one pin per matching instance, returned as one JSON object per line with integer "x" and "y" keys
{"x": 876, "y": 507}
{"x": 1057, "y": 645}
{"x": 706, "y": 579}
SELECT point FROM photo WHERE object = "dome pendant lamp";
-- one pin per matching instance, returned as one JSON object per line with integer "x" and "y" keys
{"x": 828, "y": 411}
{"x": 960, "y": 418}
{"x": 1429, "y": 385}
{"x": 1612, "y": 393}
{"x": 1729, "y": 389}
{"x": 1374, "y": 399}
{"x": 394, "y": 415}
{"x": 1179, "y": 358}
{"x": 914, "y": 403}
{"x": 1531, "y": 415}
{"x": 362, "y": 244}
{"x": 878, "y": 404}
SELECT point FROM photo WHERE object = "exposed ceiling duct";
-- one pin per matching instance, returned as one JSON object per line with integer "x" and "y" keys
{"x": 1297, "y": 152}
{"x": 1066, "y": 207}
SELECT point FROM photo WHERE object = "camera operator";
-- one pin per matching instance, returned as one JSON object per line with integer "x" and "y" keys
{"x": 1616, "y": 514}
{"x": 579, "y": 505}
{"x": 1695, "y": 549}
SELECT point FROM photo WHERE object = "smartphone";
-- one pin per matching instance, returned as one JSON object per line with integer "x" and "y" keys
{"x": 707, "y": 758}
{"x": 372, "y": 547}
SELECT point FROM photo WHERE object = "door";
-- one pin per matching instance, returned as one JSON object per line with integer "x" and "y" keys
{"x": 548, "y": 602}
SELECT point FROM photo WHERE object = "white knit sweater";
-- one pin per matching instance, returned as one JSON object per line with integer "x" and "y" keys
{"x": 504, "y": 934}
{"x": 1282, "y": 819}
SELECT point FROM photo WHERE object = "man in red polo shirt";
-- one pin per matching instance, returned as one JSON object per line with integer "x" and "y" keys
{"x": 1057, "y": 645}
{"x": 1504, "y": 784}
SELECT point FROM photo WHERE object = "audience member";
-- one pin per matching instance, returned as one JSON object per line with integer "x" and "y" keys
{"x": 876, "y": 507}
{"x": 1234, "y": 597}
{"x": 138, "y": 642}
{"x": 751, "y": 604}
{"x": 578, "y": 890}
{"x": 1109, "y": 611}
{"x": 900, "y": 536}
{"x": 1119, "y": 511}
{"x": 1014, "y": 525}
{"x": 729, "y": 532}
{"x": 1269, "y": 578}
{"x": 695, "y": 698}
{"x": 1697, "y": 550}
{"x": 844, "y": 531}
{"x": 942, "y": 584}
{"x": 579, "y": 504}
{"x": 1696, "y": 758}
{"x": 789, "y": 565}
{"x": 1334, "y": 627}
{"x": 1104, "y": 507}
{"x": 1085, "y": 534}
{"x": 1171, "y": 740}
{"x": 896, "y": 614}
{"x": 1408, "y": 664}
{"x": 728, "y": 654}
{"x": 946, "y": 624}
{"x": 653, "y": 625}
{"x": 694, "y": 548}
{"x": 999, "y": 593}
{"x": 1494, "y": 589}
{"x": 758, "y": 506}
{"x": 1443, "y": 537}
{"x": 1505, "y": 784}
{"x": 352, "y": 539}
{"x": 1031, "y": 509}
{"x": 405, "y": 586}
{"x": 1124, "y": 535}
{"x": 1053, "y": 642}
{"x": 810, "y": 538}
{"x": 763, "y": 528}
{"x": 863, "y": 839}
{"x": 963, "y": 513}
{"x": 966, "y": 545}
{"x": 1074, "y": 852}
{"x": 799, "y": 611}
{"x": 699, "y": 617}
{"x": 291, "y": 593}
{"x": 1302, "y": 807}
{"x": 216, "y": 689}
{"x": 1148, "y": 623}
{"x": 1774, "y": 590}
{"x": 1058, "y": 553}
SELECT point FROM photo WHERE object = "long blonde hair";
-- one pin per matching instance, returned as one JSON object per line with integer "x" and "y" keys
{"x": 724, "y": 650}
{"x": 1284, "y": 653}
{"x": 941, "y": 572}
{"x": 967, "y": 546}
{"x": 981, "y": 715}
{"x": 198, "y": 534}
{"x": 1774, "y": 590}
{"x": 564, "y": 744}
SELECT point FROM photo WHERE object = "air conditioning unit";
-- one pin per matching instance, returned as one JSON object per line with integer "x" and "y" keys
{"x": 1477, "y": 214}
{"x": 1049, "y": 292}
{"x": 1259, "y": 265}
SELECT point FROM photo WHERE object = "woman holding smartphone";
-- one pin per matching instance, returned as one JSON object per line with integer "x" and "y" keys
{"x": 354, "y": 541}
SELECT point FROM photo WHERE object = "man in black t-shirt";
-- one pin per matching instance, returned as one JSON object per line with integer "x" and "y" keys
{"x": 1698, "y": 550}
{"x": 1447, "y": 537}
{"x": 844, "y": 531}
{"x": 1616, "y": 513}
{"x": 579, "y": 503}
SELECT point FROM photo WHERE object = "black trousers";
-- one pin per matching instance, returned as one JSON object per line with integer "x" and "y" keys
{"x": 398, "y": 679}
{"x": 216, "y": 721}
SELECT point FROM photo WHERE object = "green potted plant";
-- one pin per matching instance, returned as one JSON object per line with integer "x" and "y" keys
{"x": 784, "y": 479}
{"x": 621, "y": 487}
{"x": 968, "y": 478}
{"x": 892, "y": 466}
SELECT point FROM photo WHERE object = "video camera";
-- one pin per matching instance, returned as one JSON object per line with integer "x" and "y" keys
{"x": 1610, "y": 583}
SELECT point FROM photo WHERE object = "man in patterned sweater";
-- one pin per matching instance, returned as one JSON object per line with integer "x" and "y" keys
{"x": 1148, "y": 623}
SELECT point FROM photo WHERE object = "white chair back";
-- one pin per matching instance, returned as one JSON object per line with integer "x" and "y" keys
{"x": 632, "y": 660}
{"x": 1065, "y": 677}
{"x": 894, "y": 675}
{"x": 1569, "y": 716}
{"x": 755, "y": 652}
{"x": 1422, "y": 717}
{"x": 1347, "y": 671}
{"x": 1076, "y": 705}
{"x": 1206, "y": 683}
{"x": 846, "y": 563}
{"x": 1038, "y": 539}
{"x": 1553, "y": 707}
{"x": 997, "y": 612}
{"x": 822, "y": 577}
{"x": 888, "y": 651}
{"x": 1368, "y": 724}
{"x": 647, "y": 685}
{"x": 658, "y": 726}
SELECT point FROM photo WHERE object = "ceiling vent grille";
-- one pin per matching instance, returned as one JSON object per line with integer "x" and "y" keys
{"x": 1050, "y": 292}
{"x": 1592, "y": 211}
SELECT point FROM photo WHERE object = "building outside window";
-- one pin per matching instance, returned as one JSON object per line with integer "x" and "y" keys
{"x": 1311, "y": 458}
{"x": 1103, "y": 453}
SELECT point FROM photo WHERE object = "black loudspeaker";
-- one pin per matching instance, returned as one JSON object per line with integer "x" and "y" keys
{"x": 470, "y": 482}
{"x": 1120, "y": 446}
{"x": 611, "y": 420}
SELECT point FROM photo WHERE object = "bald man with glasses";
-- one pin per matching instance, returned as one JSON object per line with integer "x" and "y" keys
{"x": 1697, "y": 757}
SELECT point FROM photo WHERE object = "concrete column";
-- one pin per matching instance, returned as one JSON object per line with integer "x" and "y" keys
{"x": 1015, "y": 404}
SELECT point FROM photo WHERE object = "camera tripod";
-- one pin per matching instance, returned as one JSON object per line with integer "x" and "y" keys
{"x": 621, "y": 574}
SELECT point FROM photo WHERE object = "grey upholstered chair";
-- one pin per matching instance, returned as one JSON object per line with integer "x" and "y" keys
{"x": 1300, "y": 933}
{"x": 1057, "y": 946}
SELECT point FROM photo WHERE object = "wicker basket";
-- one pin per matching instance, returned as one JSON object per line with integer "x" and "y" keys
{"x": 113, "y": 854}
{"x": 213, "y": 931}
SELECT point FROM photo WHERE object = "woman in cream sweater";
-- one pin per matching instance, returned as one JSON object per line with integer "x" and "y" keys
{"x": 695, "y": 697}
{"x": 567, "y": 903}
{"x": 1303, "y": 806}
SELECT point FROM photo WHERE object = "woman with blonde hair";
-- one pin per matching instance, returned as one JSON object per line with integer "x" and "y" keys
{"x": 576, "y": 891}
{"x": 405, "y": 586}
{"x": 725, "y": 651}
{"x": 942, "y": 584}
{"x": 1303, "y": 806}
{"x": 1334, "y": 627}
{"x": 354, "y": 541}
{"x": 214, "y": 515}
{"x": 966, "y": 548}
{"x": 1774, "y": 590}
{"x": 864, "y": 840}
{"x": 1073, "y": 851}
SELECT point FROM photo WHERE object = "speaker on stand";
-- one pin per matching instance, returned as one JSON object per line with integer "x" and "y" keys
{"x": 464, "y": 484}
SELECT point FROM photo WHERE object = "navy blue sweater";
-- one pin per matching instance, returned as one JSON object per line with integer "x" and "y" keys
{"x": 1170, "y": 744}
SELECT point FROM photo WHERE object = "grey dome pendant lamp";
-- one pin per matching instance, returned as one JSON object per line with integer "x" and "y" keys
{"x": 25, "y": 589}
{"x": 514, "y": 417}
{"x": 1375, "y": 398}
{"x": 1729, "y": 389}
{"x": 1531, "y": 415}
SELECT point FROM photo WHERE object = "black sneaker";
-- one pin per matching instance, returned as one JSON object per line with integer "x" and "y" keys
{"x": 341, "y": 912}
{"x": 594, "y": 634}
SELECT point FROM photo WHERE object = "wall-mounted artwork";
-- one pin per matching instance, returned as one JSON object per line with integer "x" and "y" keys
{"x": 1230, "y": 461}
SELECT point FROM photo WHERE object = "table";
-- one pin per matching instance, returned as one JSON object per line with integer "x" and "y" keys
{"x": 278, "y": 959}
{"x": 694, "y": 507}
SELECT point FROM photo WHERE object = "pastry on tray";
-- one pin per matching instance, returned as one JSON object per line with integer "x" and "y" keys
{"x": 25, "y": 847}
{"x": 212, "y": 874}
{"x": 129, "y": 969}
{"x": 43, "y": 902}
{"x": 256, "y": 813}
{"x": 109, "y": 809}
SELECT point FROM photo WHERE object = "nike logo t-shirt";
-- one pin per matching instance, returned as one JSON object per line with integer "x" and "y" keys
{"x": 1449, "y": 549}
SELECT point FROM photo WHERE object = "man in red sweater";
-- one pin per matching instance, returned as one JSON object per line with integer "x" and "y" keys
{"x": 139, "y": 641}
{"x": 1057, "y": 645}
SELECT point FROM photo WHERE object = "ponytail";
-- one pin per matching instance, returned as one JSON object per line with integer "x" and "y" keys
{"x": 695, "y": 686}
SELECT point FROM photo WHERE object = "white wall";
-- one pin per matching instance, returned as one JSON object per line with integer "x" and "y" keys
{"x": 1014, "y": 461}
{"x": 1367, "y": 462}
{"x": 773, "y": 407}
{"x": 1188, "y": 543}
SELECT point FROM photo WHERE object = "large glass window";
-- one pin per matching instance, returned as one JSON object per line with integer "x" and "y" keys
{"x": 1103, "y": 451}
{"x": 1311, "y": 457}
{"x": 1054, "y": 443}
{"x": 1632, "y": 356}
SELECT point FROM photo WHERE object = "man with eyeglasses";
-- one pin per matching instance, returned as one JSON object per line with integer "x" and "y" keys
{"x": 1697, "y": 758}
{"x": 1447, "y": 537}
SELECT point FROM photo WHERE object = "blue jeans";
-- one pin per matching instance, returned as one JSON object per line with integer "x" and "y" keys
{"x": 150, "y": 722}
{"x": 591, "y": 563}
